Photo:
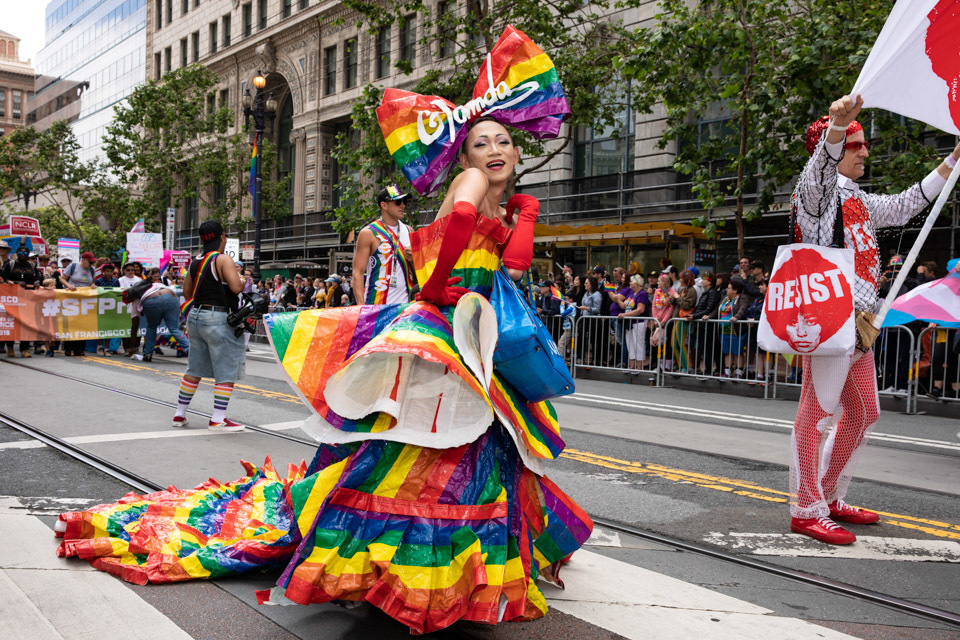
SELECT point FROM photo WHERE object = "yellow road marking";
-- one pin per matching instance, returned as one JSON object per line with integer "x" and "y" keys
{"x": 131, "y": 366}
{"x": 747, "y": 489}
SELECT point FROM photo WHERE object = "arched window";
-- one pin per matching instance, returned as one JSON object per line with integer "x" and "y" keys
{"x": 286, "y": 150}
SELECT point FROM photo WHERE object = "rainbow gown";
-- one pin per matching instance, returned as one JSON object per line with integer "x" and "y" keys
{"x": 426, "y": 497}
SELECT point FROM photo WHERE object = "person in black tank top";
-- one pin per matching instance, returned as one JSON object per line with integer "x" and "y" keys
{"x": 215, "y": 351}
{"x": 212, "y": 290}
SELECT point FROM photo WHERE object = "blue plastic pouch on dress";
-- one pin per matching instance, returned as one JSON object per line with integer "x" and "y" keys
{"x": 526, "y": 355}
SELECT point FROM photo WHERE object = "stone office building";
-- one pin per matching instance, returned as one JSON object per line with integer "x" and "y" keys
{"x": 16, "y": 84}
{"x": 610, "y": 197}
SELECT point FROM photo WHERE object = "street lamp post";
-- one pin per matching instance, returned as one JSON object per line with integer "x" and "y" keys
{"x": 263, "y": 112}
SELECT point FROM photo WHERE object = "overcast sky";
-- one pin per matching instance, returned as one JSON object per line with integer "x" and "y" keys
{"x": 24, "y": 20}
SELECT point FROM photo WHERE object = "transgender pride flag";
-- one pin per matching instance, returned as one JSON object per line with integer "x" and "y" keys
{"x": 139, "y": 227}
{"x": 937, "y": 301}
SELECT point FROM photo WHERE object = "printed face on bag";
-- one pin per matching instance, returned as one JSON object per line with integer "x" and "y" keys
{"x": 808, "y": 300}
{"x": 804, "y": 333}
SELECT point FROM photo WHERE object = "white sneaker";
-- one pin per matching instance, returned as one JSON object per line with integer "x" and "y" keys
{"x": 227, "y": 426}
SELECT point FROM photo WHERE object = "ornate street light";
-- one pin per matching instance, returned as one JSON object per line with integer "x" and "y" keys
{"x": 26, "y": 194}
{"x": 263, "y": 112}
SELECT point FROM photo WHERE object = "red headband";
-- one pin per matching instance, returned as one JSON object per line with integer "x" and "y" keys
{"x": 815, "y": 131}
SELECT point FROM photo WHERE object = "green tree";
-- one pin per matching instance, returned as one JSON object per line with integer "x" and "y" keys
{"x": 741, "y": 80}
{"x": 73, "y": 198}
{"x": 582, "y": 40}
{"x": 171, "y": 142}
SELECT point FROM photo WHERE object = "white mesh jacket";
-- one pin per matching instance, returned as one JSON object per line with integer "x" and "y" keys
{"x": 821, "y": 189}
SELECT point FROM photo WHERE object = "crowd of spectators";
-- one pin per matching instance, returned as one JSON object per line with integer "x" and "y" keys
{"x": 714, "y": 333}
{"x": 299, "y": 292}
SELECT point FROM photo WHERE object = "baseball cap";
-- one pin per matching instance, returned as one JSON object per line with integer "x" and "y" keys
{"x": 88, "y": 255}
{"x": 669, "y": 269}
{"x": 653, "y": 274}
{"x": 756, "y": 264}
{"x": 895, "y": 261}
{"x": 391, "y": 192}
{"x": 694, "y": 271}
{"x": 66, "y": 259}
{"x": 210, "y": 230}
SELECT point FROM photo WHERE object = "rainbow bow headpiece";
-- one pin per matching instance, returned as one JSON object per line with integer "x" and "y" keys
{"x": 518, "y": 86}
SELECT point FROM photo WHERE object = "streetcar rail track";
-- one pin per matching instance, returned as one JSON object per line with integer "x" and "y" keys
{"x": 826, "y": 584}
{"x": 897, "y": 442}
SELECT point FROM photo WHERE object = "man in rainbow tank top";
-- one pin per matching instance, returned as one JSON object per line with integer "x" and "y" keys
{"x": 382, "y": 262}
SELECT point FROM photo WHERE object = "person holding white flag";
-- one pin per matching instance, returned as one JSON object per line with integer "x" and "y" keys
{"x": 829, "y": 209}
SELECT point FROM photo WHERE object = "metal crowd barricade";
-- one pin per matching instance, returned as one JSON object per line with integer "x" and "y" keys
{"x": 895, "y": 363}
{"x": 894, "y": 360}
{"x": 564, "y": 340}
{"x": 937, "y": 360}
{"x": 715, "y": 349}
{"x": 606, "y": 343}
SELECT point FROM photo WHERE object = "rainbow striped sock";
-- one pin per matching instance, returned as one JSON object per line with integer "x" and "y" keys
{"x": 187, "y": 389}
{"x": 221, "y": 396}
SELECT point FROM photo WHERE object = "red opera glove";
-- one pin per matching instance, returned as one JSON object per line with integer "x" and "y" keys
{"x": 446, "y": 296}
{"x": 518, "y": 253}
{"x": 437, "y": 288}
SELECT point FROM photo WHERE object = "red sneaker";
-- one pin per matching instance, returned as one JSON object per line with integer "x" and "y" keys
{"x": 180, "y": 421}
{"x": 822, "y": 529}
{"x": 227, "y": 426}
{"x": 840, "y": 510}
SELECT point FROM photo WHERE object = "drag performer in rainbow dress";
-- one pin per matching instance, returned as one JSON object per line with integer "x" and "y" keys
{"x": 426, "y": 497}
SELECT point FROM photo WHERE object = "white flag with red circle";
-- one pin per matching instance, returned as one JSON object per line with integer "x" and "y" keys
{"x": 808, "y": 309}
{"x": 914, "y": 66}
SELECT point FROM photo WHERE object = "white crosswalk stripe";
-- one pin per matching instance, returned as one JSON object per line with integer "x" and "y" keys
{"x": 865, "y": 548}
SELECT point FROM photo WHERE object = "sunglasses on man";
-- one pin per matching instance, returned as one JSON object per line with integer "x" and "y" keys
{"x": 856, "y": 146}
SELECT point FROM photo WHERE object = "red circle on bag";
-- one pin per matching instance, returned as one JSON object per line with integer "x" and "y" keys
{"x": 808, "y": 300}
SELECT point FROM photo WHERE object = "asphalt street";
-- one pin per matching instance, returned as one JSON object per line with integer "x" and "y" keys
{"x": 706, "y": 468}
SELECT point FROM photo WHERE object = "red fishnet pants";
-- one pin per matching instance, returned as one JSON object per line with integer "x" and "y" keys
{"x": 820, "y": 471}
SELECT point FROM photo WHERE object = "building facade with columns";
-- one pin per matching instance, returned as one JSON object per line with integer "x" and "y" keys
{"x": 609, "y": 196}
{"x": 16, "y": 84}
{"x": 316, "y": 63}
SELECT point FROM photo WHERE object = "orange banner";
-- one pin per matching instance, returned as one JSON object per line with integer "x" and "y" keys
{"x": 58, "y": 314}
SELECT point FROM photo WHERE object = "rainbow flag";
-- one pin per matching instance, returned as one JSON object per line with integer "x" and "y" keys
{"x": 173, "y": 535}
{"x": 555, "y": 293}
{"x": 252, "y": 183}
{"x": 609, "y": 286}
{"x": 518, "y": 86}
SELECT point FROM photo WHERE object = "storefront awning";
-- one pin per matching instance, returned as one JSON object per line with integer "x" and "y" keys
{"x": 628, "y": 233}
